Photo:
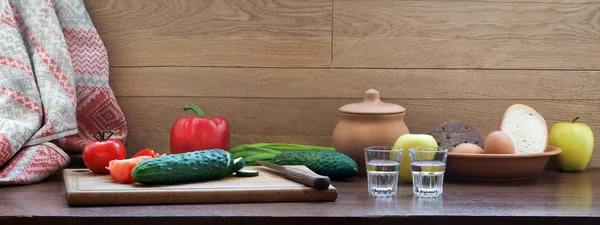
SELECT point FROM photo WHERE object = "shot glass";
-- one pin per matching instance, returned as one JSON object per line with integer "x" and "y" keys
{"x": 383, "y": 166}
{"x": 428, "y": 165}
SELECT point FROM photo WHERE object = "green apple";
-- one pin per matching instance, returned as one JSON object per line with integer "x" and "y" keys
{"x": 406, "y": 142}
{"x": 577, "y": 143}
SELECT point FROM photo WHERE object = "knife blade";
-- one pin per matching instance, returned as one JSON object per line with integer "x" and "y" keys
{"x": 308, "y": 178}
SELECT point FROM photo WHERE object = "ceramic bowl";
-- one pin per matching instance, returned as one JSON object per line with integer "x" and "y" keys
{"x": 498, "y": 166}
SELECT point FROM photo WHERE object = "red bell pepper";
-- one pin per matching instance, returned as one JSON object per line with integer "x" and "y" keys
{"x": 199, "y": 133}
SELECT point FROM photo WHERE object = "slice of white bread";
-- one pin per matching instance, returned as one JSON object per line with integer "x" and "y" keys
{"x": 527, "y": 129}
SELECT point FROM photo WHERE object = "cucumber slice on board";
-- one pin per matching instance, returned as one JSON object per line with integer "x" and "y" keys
{"x": 238, "y": 164}
{"x": 246, "y": 173}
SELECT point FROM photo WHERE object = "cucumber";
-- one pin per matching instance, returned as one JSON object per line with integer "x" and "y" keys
{"x": 186, "y": 167}
{"x": 335, "y": 165}
{"x": 230, "y": 163}
{"x": 238, "y": 164}
{"x": 246, "y": 173}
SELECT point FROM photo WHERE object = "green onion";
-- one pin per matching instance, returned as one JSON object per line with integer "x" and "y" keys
{"x": 266, "y": 151}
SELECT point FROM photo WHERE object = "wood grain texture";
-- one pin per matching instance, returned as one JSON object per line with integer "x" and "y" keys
{"x": 311, "y": 121}
{"x": 553, "y": 198}
{"x": 159, "y": 142}
{"x": 466, "y": 34}
{"x": 352, "y": 83}
{"x": 214, "y": 32}
{"x": 88, "y": 189}
{"x": 516, "y": 1}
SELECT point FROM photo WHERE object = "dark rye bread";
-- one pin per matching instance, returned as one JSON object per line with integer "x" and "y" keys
{"x": 452, "y": 133}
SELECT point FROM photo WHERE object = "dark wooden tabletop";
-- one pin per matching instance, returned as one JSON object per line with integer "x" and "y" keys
{"x": 551, "y": 198}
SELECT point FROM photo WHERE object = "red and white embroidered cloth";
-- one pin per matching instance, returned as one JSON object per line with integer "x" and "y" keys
{"x": 54, "y": 92}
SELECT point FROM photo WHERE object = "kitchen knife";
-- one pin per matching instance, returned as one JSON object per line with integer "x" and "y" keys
{"x": 308, "y": 178}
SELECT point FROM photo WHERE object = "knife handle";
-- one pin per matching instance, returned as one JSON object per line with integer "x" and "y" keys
{"x": 308, "y": 178}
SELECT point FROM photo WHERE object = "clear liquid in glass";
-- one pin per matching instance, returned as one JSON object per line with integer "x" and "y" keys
{"x": 382, "y": 177}
{"x": 428, "y": 177}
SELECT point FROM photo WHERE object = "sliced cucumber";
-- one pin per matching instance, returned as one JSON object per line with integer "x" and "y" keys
{"x": 246, "y": 173}
{"x": 238, "y": 164}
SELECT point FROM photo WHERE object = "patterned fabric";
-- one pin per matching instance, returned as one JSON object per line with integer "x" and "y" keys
{"x": 54, "y": 92}
{"x": 97, "y": 108}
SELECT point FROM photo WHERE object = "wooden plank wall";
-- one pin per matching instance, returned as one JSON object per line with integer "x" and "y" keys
{"x": 280, "y": 69}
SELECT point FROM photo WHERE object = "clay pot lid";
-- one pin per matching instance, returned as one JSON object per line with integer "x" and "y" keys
{"x": 372, "y": 104}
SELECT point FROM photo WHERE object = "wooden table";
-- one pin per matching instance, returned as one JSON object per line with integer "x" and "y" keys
{"x": 552, "y": 198}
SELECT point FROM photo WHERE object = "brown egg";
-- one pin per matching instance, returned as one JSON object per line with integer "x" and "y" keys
{"x": 498, "y": 142}
{"x": 468, "y": 148}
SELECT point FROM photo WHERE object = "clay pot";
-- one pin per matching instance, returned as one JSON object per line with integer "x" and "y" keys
{"x": 369, "y": 123}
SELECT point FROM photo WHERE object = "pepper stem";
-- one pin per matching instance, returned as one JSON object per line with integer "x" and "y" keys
{"x": 576, "y": 118}
{"x": 195, "y": 108}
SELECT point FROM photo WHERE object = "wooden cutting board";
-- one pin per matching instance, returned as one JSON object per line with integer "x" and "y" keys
{"x": 86, "y": 188}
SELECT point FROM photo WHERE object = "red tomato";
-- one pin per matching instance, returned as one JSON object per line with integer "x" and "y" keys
{"x": 97, "y": 154}
{"x": 120, "y": 170}
{"x": 146, "y": 152}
